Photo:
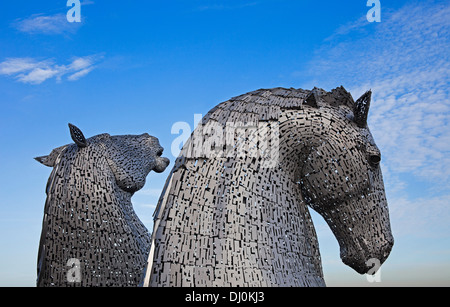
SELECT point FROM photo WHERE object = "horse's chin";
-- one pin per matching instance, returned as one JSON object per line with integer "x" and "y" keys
{"x": 364, "y": 264}
{"x": 131, "y": 186}
{"x": 360, "y": 267}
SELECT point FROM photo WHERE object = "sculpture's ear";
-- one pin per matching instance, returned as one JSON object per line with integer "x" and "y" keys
{"x": 77, "y": 136}
{"x": 311, "y": 99}
{"x": 44, "y": 160}
{"x": 50, "y": 160}
{"x": 361, "y": 109}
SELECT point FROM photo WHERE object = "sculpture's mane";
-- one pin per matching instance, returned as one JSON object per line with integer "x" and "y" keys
{"x": 71, "y": 160}
{"x": 266, "y": 104}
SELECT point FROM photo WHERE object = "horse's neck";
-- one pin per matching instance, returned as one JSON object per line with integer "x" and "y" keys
{"x": 247, "y": 222}
{"x": 88, "y": 213}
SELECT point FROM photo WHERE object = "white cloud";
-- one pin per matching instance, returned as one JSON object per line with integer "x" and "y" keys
{"x": 16, "y": 65}
{"x": 49, "y": 24}
{"x": 46, "y": 24}
{"x": 80, "y": 63}
{"x": 37, "y": 75}
{"x": 80, "y": 74}
{"x": 32, "y": 71}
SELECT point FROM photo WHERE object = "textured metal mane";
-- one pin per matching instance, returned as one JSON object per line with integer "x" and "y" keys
{"x": 266, "y": 103}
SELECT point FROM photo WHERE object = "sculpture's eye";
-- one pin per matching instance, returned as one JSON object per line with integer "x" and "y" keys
{"x": 374, "y": 159}
{"x": 159, "y": 152}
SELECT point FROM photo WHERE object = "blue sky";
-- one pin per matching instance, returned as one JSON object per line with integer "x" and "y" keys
{"x": 132, "y": 67}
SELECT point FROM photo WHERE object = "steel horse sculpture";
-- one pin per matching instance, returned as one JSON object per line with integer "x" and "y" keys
{"x": 91, "y": 235}
{"x": 234, "y": 209}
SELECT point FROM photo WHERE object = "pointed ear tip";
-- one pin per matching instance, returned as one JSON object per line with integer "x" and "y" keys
{"x": 42, "y": 160}
{"x": 73, "y": 127}
{"x": 366, "y": 96}
{"x": 77, "y": 136}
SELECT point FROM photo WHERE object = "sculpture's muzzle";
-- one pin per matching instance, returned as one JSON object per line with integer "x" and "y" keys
{"x": 364, "y": 258}
{"x": 362, "y": 228}
{"x": 161, "y": 164}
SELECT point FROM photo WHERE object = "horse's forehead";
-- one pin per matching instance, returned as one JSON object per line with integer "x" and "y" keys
{"x": 133, "y": 145}
{"x": 367, "y": 138}
{"x": 124, "y": 138}
{"x": 367, "y": 135}
{"x": 133, "y": 140}
{"x": 344, "y": 116}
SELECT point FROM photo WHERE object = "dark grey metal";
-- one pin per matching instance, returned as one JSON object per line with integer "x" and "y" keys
{"x": 77, "y": 136}
{"x": 91, "y": 235}
{"x": 227, "y": 217}
{"x": 361, "y": 110}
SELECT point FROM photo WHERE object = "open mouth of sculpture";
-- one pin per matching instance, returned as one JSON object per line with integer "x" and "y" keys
{"x": 161, "y": 162}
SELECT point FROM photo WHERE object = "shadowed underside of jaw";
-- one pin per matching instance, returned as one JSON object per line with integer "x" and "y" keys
{"x": 363, "y": 261}
{"x": 364, "y": 236}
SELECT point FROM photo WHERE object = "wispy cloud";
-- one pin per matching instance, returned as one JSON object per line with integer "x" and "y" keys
{"x": 427, "y": 217}
{"x": 405, "y": 61}
{"x": 46, "y": 24}
{"x": 49, "y": 24}
{"x": 357, "y": 25}
{"x": 32, "y": 71}
{"x": 80, "y": 74}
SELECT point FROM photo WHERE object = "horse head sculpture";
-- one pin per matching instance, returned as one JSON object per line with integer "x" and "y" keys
{"x": 341, "y": 179}
{"x": 91, "y": 235}
{"x": 234, "y": 210}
